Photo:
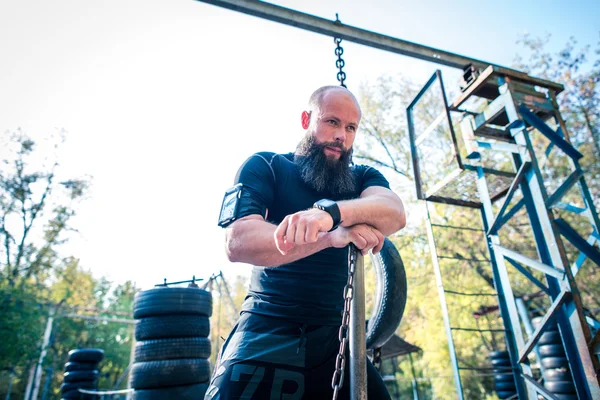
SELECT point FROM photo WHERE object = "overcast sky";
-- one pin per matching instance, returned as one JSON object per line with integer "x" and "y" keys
{"x": 162, "y": 100}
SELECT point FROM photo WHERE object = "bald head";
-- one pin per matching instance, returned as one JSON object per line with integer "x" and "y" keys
{"x": 321, "y": 94}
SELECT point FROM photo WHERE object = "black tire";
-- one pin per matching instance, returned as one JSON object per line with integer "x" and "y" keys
{"x": 505, "y": 387}
{"x": 551, "y": 337}
{"x": 501, "y": 362}
{"x": 69, "y": 386}
{"x": 78, "y": 376}
{"x": 75, "y": 394}
{"x": 508, "y": 377}
{"x": 80, "y": 366}
{"x": 157, "y": 374}
{"x": 390, "y": 295}
{"x": 169, "y": 326}
{"x": 564, "y": 387}
{"x": 506, "y": 394}
{"x": 86, "y": 355}
{"x": 172, "y": 349}
{"x": 499, "y": 354}
{"x": 188, "y": 392}
{"x": 553, "y": 375}
{"x": 561, "y": 396}
{"x": 554, "y": 362}
{"x": 169, "y": 301}
{"x": 551, "y": 350}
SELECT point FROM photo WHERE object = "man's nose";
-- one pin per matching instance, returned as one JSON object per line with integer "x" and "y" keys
{"x": 340, "y": 135}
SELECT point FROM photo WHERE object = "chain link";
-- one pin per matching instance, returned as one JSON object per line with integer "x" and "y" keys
{"x": 377, "y": 358}
{"x": 340, "y": 63}
{"x": 340, "y": 362}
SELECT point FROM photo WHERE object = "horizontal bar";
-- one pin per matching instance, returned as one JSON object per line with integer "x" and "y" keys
{"x": 529, "y": 276}
{"x": 511, "y": 191}
{"x": 463, "y": 259}
{"x": 104, "y": 319}
{"x": 564, "y": 187}
{"x": 570, "y": 208}
{"x": 486, "y": 368}
{"x": 541, "y": 126}
{"x": 593, "y": 323}
{"x": 539, "y": 388}
{"x": 562, "y": 297}
{"x": 492, "y": 171}
{"x": 552, "y": 271}
{"x": 505, "y": 147}
{"x": 470, "y": 294}
{"x": 477, "y": 330}
{"x": 572, "y": 236}
{"x": 457, "y": 227}
{"x": 582, "y": 256}
{"x": 455, "y": 202}
{"x": 327, "y": 27}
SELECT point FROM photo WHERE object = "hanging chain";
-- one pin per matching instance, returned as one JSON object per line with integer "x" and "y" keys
{"x": 340, "y": 362}
{"x": 377, "y": 358}
{"x": 339, "y": 63}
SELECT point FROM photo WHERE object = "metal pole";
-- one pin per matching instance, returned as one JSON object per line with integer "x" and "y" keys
{"x": 131, "y": 361}
{"x": 38, "y": 372}
{"x": 10, "y": 383}
{"x": 358, "y": 345}
{"x": 522, "y": 309}
{"x": 415, "y": 384}
{"x": 47, "y": 383}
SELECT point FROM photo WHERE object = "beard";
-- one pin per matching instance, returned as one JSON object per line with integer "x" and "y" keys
{"x": 321, "y": 173}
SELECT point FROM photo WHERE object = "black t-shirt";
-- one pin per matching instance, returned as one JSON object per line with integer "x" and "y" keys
{"x": 309, "y": 290}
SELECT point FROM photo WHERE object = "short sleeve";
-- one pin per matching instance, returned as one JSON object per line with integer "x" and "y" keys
{"x": 258, "y": 180}
{"x": 372, "y": 177}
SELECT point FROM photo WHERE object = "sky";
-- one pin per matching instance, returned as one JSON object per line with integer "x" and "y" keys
{"x": 163, "y": 100}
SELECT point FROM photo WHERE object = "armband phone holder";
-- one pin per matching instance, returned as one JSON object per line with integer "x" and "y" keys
{"x": 230, "y": 206}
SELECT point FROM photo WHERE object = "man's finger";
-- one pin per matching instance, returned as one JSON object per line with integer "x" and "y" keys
{"x": 310, "y": 236}
{"x": 300, "y": 234}
{"x": 280, "y": 236}
{"x": 381, "y": 239}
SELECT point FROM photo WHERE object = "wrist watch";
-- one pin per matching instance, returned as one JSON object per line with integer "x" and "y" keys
{"x": 330, "y": 207}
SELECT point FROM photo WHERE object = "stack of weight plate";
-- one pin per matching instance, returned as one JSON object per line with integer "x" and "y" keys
{"x": 81, "y": 371}
{"x": 171, "y": 355}
{"x": 504, "y": 379}
{"x": 557, "y": 377}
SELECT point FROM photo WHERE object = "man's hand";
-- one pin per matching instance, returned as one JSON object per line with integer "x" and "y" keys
{"x": 301, "y": 228}
{"x": 364, "y": 237}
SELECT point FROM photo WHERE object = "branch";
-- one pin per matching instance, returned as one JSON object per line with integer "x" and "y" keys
{"x": 377, "y": 136}
{"x": 375, "y": 161}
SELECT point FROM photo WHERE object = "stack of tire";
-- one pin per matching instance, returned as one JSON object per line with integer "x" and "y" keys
{"x": 171, "y": 355}
{"x": 81, "y": 372}
{"x": 504, "y": 379}
{"x": 557, "y": 377}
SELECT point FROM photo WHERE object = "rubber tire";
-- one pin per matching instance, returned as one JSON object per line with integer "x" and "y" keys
{"x": 505, "y": 386}
{"x": 77, "y": 376}
{"x": 169, "y": 301}
{"x": 166, "y": 373}
{"x": 504, "y": 377}
{"x": 554, "y": 375}
{"x": 80, "y": 366}
{"x": 501, "y": 362}
{"x": 75, "y": 394}
{"x": 86, "y": 355}
{"x": 172, "y": 349}
{"x": 187, "y": 392}
{"x": 499, "y": 354}
{"x": 565, "y": 387}
{"x": 551, "y": 337}
{"x": 170, "y": 326}
{"x": 68, "y": 386}
{"x": 505, "y": 394}
{"x": 551, "y": 350}
{"x": 562, "y": 396}
{"x": 554, "y": 362}
{"x": 390, "y": 295}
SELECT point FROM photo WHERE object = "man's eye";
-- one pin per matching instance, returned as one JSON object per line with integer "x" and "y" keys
{"x": 332, "y": 122}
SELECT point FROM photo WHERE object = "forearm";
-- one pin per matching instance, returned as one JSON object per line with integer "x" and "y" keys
{"x": 252, "y": 241}
{"x": 383, "y": 211}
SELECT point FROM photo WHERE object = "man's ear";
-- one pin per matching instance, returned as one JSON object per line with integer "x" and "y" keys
{"x": 305, "y": 119}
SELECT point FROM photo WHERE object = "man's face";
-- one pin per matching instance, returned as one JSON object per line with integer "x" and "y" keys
{"x": 336, "y": 124}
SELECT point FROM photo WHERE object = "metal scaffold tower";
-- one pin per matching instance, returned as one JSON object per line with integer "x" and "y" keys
{"x": 501, "y": 112}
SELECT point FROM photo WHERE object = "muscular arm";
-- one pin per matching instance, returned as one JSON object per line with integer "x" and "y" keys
{"x": 378, "y": 207}
{"x": 251, "y": 240}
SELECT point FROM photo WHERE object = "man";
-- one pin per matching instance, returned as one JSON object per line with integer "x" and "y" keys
{"x": 285, "y": 343}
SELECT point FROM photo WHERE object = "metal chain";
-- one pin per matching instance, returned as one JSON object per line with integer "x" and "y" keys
{"x": 339, "y": 50}
{"x": 340, "y": 63}
{"x": 340, "y": 362}
{"x": 377, "y": 358}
